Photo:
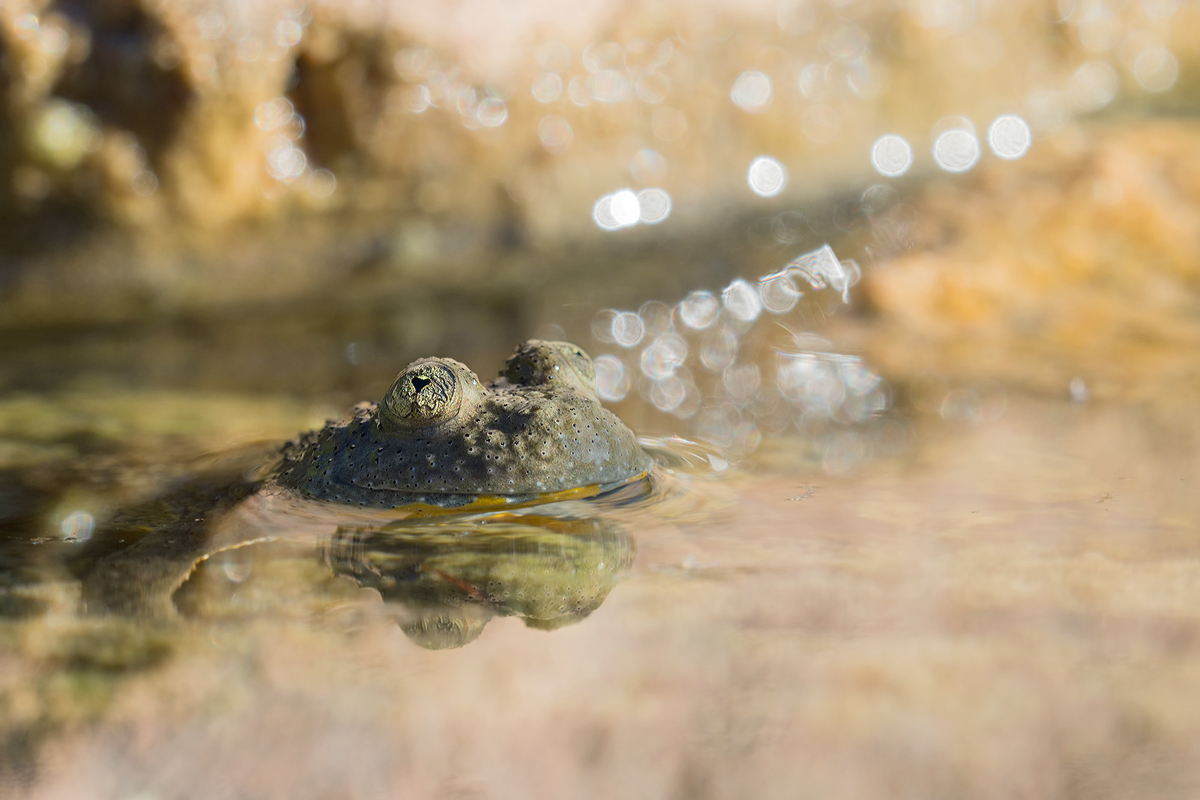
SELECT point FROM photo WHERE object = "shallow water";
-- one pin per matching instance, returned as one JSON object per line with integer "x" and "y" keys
{"x": 938, "y": 581}
{"x": 923, "y": 521}
{"x": 1007, "y": 606}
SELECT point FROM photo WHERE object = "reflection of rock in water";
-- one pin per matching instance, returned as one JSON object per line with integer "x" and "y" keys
{"x": 446, "y": 579}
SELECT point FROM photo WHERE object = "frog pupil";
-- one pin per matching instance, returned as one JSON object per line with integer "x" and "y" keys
{"x": 419, "y": 383}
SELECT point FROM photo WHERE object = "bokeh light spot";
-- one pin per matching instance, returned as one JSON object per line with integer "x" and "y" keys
{"x": 1159, "y": 10}
{"x": 288, "y": 33}
{"x": 625, "y": 208}
{"x": 547, "y": 87}
{"x": 608, "y": 86}
{"x": 766, "y": 176}
{"x": 667, "y": 394}
{"x": 78, "y": 525}
{"x": 741, "y": 301}
{"x": 699, "y": 310}
{"x": 612, "y": 380}
{"x": 578, "y": 91}
{"x": 794, "y": 17}
{"x": 1009, "y": 136}
{"x": 654, "y": 205}
{"x": 62, "y": 133}
{"x": 663, "y": 356}
{"x": 652, "y": 87}
{"x": 602, "y": 56}
{"x": 779, "y": 293}
{"x": 752, "y": 92}
{"x": 26, "y": 26}
{"x": 416, "y": 99}
{"x": 145, "y": 183}
{"x": 718, "y": 349}
{"x": 655, "y": 316}
{"x": 273, "y": 114}
{"x": 322, "y": 183}
{"x": 1156, "y": 69}
{"x": 627, "y": 329}
{"x": 492, "y": 112}
{"x": 741, "y": 382}
{"x": 1093, "y": 85}
{"x": 845, "y": 41}
{"x": 285, "y": 161}
{"x": 891, "y": 155}
{"x": 413, "y": 63}
{"x": 956, "y": 150}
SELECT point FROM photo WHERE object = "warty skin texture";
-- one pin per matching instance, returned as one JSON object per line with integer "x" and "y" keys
{"x": 440, "y": 437}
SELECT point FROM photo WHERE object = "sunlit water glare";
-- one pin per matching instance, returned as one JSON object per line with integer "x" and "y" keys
{"x": 732, "y": 366}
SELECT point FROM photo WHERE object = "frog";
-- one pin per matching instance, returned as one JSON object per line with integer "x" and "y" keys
{"x": 439, "y": 442}
{"x": 441, "y": 438}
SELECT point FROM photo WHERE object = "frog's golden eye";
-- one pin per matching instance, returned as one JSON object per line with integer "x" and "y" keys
{"x": 424, "y": 395}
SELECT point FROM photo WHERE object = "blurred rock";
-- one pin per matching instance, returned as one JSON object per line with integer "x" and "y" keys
{"x": 161, "y": 134}
{"x": 1073, "y": 270}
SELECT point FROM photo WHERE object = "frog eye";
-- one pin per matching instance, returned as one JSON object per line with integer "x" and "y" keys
{"x": 538, "y": 362}
{"x": 425, "y": 394}
{"x": 571, "y": 359}
{"x": 582, "y": 363}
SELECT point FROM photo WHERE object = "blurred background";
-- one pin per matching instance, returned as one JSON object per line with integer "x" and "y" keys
{"x": 924, "y": 273}
{"x": 300, "y": 197}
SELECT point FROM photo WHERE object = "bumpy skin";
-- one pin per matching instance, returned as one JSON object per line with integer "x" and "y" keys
{"x": 440, "y": 437}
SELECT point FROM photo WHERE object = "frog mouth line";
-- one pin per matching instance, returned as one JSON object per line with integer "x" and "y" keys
{"x": 448, "y": 503}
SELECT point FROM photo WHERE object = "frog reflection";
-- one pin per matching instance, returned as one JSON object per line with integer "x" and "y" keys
{"x": 446, "y": 581}
{"x": 442, "y": 578}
